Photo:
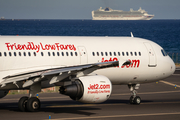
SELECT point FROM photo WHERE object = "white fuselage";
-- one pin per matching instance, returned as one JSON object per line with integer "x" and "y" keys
{"x": 148, "y": 62}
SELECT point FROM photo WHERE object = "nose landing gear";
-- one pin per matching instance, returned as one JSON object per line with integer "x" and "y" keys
{"x": 134, "y": 99}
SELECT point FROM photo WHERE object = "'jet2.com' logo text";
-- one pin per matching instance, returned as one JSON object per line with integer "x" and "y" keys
{"x": 134, "y": 63}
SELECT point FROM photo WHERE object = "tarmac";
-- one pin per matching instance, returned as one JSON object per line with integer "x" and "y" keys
{"x": 160, "y": 100}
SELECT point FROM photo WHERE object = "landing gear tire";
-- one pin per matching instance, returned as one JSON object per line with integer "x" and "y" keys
{"x": 137, "y": 100}
{"x": 22, "y": 104}
{"x": 134, "y": 99}
{"x": 131, "y": 101}
{"x": 33, "y": 104}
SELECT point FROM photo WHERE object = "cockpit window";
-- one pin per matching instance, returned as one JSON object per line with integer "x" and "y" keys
{"x": 164, "y": 53}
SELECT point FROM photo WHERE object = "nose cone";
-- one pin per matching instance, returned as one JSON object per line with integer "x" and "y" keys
{"x": 173, "y": 67}
{"x": 168, "y": 67}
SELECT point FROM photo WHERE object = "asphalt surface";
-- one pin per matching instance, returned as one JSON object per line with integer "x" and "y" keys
{"x": 159, "y": 101}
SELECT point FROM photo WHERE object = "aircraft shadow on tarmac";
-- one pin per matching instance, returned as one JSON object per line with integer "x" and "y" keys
{"x": 67, "y": 106}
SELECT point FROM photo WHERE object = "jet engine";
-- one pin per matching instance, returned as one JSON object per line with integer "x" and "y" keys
{"x": 89, "y": 89}
{"x": 3, "y": 93}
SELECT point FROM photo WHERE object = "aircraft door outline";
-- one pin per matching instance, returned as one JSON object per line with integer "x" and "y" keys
{"x": 151, "y": 54}
{"x": 83, "y": 55}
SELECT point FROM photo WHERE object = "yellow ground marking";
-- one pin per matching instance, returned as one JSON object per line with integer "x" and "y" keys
{"x": 111, "y": 104}
{"x": 169, "y": 83}
{"x": 117, "y": 116}
{"x": 148, "y": 93}
{"x": 82, "y": 105}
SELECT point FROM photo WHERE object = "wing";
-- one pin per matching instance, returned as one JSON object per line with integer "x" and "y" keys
{"x": 24, "y": 80}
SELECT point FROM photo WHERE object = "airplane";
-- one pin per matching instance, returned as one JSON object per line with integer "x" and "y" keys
{"x": 84, "y": 67}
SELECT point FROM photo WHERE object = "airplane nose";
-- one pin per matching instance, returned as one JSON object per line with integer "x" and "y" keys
{"x": 172, "y": 66}
{"x": 168, "y": 67}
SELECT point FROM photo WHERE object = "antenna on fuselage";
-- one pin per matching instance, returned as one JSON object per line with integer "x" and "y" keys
{"x": 132, "y": 34}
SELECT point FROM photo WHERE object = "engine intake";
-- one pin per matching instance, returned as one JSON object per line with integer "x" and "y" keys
{"x": 74, "y": 91}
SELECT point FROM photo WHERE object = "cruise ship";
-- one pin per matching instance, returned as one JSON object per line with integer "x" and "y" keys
{"x": 110, "y": 14}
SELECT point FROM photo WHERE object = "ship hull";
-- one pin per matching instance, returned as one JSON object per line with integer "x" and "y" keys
{"x": 123, "y": 18}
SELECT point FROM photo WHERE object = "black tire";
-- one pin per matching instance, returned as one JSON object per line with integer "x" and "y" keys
{"x": 22, "y": 103}
{"x": 137, "y": 100}
{"x": 131, "y": 101}
{"x": 33, "y": 104}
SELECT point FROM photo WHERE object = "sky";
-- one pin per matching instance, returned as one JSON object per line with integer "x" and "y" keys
{"x": 81, "y": 9}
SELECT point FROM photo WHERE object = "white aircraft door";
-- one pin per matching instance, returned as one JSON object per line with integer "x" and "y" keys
{"x": 152, "y": 55}
{"x": 83, "y": 54}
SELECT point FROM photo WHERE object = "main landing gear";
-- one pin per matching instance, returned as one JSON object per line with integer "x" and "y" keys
{"x": 134, "y": 99}
{"x": 30, "y": 103}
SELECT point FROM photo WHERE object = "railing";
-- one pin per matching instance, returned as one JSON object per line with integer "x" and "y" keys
{"x": 175, "y": 57}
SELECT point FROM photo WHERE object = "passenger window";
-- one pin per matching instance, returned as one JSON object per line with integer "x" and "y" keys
{"x": 67, "y": 54}
{"x": 135, "y": 53}
{"x": 101, "y": 53}
{"x": 14, "y": 53}
{"x": 34, "y": 53}
{"x": 71, "y": 54}
{"x": 93, "y": 54}
{"x": 53, "y": 53}
{"x": 49, "y": 53}
{"x": 76, "y": 53}
{"x": 9, "y": 53}
{"x": 42, "y": 54}
{"x": 24, "y": 53}
{"x": 5, "y": 54}
{"x": 110, "y": 53}
{"x": 0, "y": 54}
{"x": 127, "y": 53}
{"x": 29, "y": 53}
{"x": 97, "y": 53}
{"x": 119, "y": 53}
{"x": 123, "y": 53}
{"x": 62, "y": 54}
{"x": 139, "y": 53}
{"x": 57, "y": 53}
{"x": 131, "y": 54}
{"x": 19, "y": 53}
{"x": 106, "y": 53}
{"x": 114, "y": 53}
